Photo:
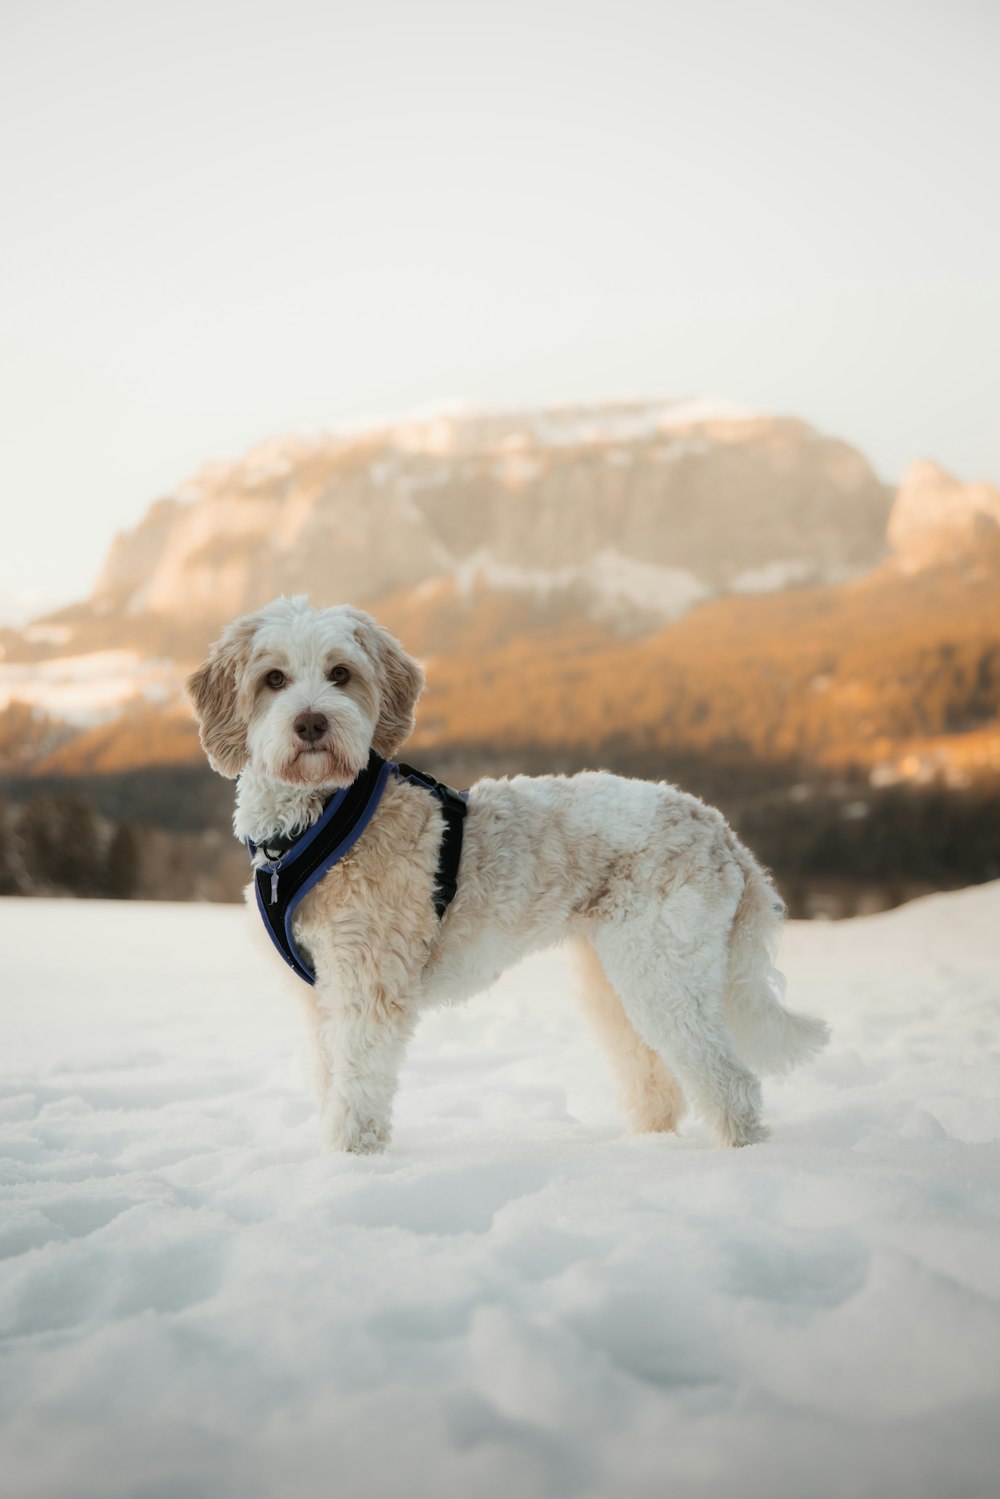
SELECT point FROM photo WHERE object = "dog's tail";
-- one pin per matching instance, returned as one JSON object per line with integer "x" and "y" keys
{"x": 768, "y": 1037}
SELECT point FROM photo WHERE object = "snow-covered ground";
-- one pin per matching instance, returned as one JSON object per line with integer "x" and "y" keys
{"x": 518, "y": 1300}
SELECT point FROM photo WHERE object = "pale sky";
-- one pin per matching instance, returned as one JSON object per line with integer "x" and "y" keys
{"x": 224, "y": 221}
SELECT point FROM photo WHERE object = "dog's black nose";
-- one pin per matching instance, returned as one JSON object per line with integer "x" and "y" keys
{"x": 311, "y": 726}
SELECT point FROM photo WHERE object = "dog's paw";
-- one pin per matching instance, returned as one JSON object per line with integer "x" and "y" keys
{"x": 745, "y": 1132}
{"x": 370, "y": 1141}
{"x": 357, "y": 1137}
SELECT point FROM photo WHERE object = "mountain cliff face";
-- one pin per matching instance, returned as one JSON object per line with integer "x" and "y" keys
{"x": 935, "y": 519}
{"x": 629, "y": 512}
{"x": 611, "y": 583}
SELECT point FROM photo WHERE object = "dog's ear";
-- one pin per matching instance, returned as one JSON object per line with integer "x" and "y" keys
{"x": 400, "y": 683}
{"x": 214, "y": 691}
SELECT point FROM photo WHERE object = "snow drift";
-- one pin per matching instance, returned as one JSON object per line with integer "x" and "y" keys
{"x": 519, "y": 1298}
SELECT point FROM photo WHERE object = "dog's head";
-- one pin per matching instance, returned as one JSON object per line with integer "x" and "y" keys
{"x": 301, "y": 694}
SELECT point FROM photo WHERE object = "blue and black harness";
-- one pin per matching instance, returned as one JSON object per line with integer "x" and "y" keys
{"x": 295, "y": 864}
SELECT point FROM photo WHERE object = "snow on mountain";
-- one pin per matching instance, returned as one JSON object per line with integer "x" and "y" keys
{"x": 517, "y": 1298}
{"x": 19, "y": 606}
{"x": 772, "y": 577}
{"x": 89, "y": 689}
{"x": 627, "y": 422}
{"x": 613, "y": 582}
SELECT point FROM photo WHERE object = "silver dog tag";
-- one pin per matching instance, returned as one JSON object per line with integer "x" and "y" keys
{"x": 274, "y": 886}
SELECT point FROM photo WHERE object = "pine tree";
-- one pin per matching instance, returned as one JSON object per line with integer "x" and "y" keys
{"x": 122, "y": 864}
{"x": 61, "y": 843}
{"x": 81, "y": 854}
{"x": 38, "y": 840}
{"x": 9, "y": 883}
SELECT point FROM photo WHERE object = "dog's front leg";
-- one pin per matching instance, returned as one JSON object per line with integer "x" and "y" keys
{"x": 363, "y": 1037}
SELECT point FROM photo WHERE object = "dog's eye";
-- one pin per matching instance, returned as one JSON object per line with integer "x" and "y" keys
{"x": 339, "y": 675}
{"x": 275, "y": 679}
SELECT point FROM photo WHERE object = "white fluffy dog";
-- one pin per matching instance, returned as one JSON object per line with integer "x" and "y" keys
{"x": 675, "y": 921}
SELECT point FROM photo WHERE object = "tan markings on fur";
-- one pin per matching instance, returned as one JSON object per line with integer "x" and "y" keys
{"x": 611, "y": 891}
{"x": 253, "y": 688}
{"x": 652, "y": 1097}
{"x": 214, "y": 691}
{"x": 370, "y": 923}
{"x": 366, "y": 692}
{"x": 401, "y": 681}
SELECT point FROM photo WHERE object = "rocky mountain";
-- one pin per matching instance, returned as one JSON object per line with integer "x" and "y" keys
{"x": 606, "y": 582}
{"x": 935, "y": 519}
{"x": 628, "y": 513}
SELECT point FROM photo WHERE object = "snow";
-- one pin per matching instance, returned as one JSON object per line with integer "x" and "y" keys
{"x": 773, "y": 576}
{"x": 445, "y": 427}
{"x": 518, "y": 1298}
{"x": 703, "y": 409}
{"x": 43, "y": 634}
{"x": 611, "y": 421}
{"x": 89, "y": 689}
{"x": 19, "y": 605}
{"x": 612, "y": 579}
{"x": 440, "y": 427}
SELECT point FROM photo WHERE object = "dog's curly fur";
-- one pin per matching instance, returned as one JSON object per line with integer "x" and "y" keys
{"x": 675, "y": 922}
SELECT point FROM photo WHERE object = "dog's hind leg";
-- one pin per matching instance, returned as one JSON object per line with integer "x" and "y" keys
{"x": 651, "y": 1094}
{"x": 669, "y": 966}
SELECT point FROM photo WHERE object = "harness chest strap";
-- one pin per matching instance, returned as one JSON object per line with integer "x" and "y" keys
{"x": 295, "y": 865}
